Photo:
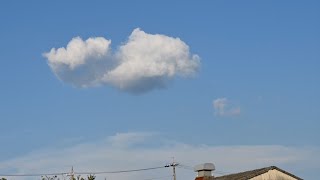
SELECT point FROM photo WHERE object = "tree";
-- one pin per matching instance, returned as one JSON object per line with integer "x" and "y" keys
{"x": 90, "y": 177}
{"x": 49, "y": 178}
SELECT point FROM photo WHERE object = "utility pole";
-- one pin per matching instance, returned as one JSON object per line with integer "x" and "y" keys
{"x": 174, "y": 164}
{"x": 72, "y": 173}
{"x": 174, "y": 172}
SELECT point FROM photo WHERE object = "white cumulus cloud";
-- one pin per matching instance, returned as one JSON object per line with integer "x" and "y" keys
{"x": 145, "y": 62}
{"x": 222, "y": 107}
{"x": 81, "y": 63}
{"x": 78, "y": 52}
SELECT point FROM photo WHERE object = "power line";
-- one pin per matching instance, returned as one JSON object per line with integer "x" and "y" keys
{"x": 36, "y": 174}
{"x": 182, "y": 166}
{"x": 121, "y": 171}
{"x": 79, "y": 173}
{"x": 173, "y": 165}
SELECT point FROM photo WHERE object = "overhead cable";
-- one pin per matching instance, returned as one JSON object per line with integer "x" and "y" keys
{"x": 121, "y": 171}
{"x": 68, "y": 173}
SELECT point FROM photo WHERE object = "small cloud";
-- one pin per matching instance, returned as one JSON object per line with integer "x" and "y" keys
{"x": 145, "y": 62}
{"x": 222, "y": 107}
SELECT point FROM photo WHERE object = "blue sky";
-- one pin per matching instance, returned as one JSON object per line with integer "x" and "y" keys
{"x": 259, "y": 58}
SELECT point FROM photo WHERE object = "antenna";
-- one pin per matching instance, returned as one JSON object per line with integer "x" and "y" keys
{"x": 72, "y": 174}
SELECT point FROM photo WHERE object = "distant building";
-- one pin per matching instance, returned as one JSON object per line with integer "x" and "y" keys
{"x": 267, "y": 173}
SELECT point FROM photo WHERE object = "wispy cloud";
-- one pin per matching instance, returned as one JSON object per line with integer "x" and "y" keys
{"x": 222, "y": 107}
{"x": 107, "y": 155}
{"x": 145, "y": 62}
{"x": 128, "y": 139}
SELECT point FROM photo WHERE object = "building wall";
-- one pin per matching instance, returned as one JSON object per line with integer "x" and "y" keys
{"x": 273, "y": 174}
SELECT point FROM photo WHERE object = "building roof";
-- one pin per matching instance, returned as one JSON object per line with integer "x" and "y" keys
{"x": 253, "y": 173}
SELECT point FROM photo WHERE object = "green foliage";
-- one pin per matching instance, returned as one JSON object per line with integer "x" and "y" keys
{"x": 49, "y": 178}
{"x": 90, "y": 177}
